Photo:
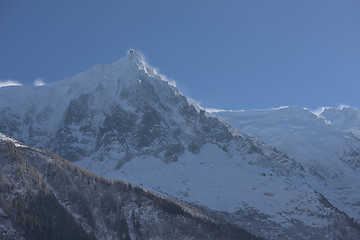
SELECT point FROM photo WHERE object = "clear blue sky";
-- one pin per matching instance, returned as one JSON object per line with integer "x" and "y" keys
{"x": 227, "y": 54}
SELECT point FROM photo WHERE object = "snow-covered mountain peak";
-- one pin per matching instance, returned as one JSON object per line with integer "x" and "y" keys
{"x": 135, "y": 57}
{"x": 134, "y": 62}
{"x": 118, "y": 112}
{"x": 125, "y": 73}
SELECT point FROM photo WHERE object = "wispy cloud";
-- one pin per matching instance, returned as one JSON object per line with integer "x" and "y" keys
{"x": 214, "y": 110}
{"x": 39, "y": 82}
{"x": 9, "y": 82}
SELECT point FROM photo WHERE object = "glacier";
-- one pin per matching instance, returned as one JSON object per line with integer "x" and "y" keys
{"x": 325, "y": 143}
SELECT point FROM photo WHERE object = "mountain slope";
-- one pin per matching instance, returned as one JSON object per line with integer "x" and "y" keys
{"x": 125, "y": 121}
{"x": 45, "y": 197}
{"x": 326, "y": 145}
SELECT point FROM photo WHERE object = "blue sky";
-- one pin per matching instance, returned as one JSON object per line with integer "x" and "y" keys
{"x": 226, "y": 54}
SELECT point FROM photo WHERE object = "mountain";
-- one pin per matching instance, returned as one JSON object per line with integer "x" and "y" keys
{"x": 126, "y": 121}
{"x": 45, "y": 197}
{"x": 327, "y": 145}
{"x": 113, "y": 112}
